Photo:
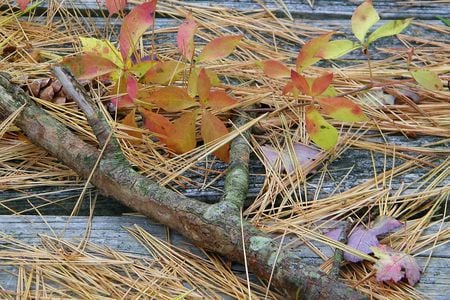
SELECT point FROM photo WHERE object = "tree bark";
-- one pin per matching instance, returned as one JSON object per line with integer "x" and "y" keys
{"x": 214, "y": 227}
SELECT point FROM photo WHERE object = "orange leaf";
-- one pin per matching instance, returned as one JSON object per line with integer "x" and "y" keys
{"x": 220, "y": 99}
{"x": 213, "y": 129}
{"x": 157, "y": 123}
{"x": 219, "y": 47}
{"x": 342, "y": 109}
{"x": 134, "y": 25}
{"x": 364, "y": 17}
{"x": 114, "y": 6}
{"x": 182, "y": 138}
{"x": 130, "y": 121}
{"x": 290, "y": 88}
{"x": 321, "y": 132}
{"x": 274, "y": 69}
{"x": 128, "y": 85}
{"x": 193, "y": 80}
{"x": 307, "y": 55}
{"x": 321, "y": 83}
{"x": 300, "y": 82}
{"x": 171, "y": 99}
{"x": 203, "y": 86}
{"x": 185, "y": 37}
{"x": 88, "y": 66}
{"x": 164, "y": 72}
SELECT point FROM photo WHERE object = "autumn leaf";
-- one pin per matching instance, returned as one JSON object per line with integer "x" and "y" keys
{"x": 141, "y": 68}
{"x": 299, "y": 81}
{"x": 181, "y": 138}
{"x": 171, "y": 99}
{"x": 342, "y": 109}
{"x": 320, "y": 84}
{"x": 213, "y": 129}
{"x": 88, "y": 66}
{"x": 427, "y": 79}
{"x": 157, "y": 123}
{"x": 128, "y": 86}
{"x": 321, "y": 132}
{"x": 290, "y": 88}
{"x": 185, "y": 37}
{"x": 220, "y": 99}
{"x": 203, "y": 86}
{"x": 130, "y": 121}
{"x": 114, "y": 6}
{"x": 219, "y": 47}
{"x": 304, "y": 154}
{"x": 164, "y": 72}
{"x": 389, "y": 29}
{"x": 308, "y": 54}
{"x": 193, "y": 80}
{"x": 364, "y": 17}
{"x": 336, "y": 49}
{"x": 395, "y": 265}
{"x": 274, "y": 69}
{"x": 103, "y": 49}
{"x": 23, "y": 4}
{"x": 134, "y": 26}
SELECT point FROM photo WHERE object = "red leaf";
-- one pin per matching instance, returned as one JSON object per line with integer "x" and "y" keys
{"x": 171, "y": 99}
{"x": 130, "y": 120}
{"x": 320, "y": 84}
{"x": 213, "y": 129}
{"x": 220, "y": 99}
{"x": 203, "y": 86}
{"x": 219, "y": 47}
{"x": 164, "y": 72}
{"x": 129, "y": 87}
{"x": 134, "y": 25}
{"x": 342, "y": 109}
{"x": 395, "y": 265}
{"x": 307, "y": 55}
{"x": 185, "y": 37}
{"x": 157, "y": 123}
{"x": 114, "y": 6}
{"x": 274, "y": 69}
{"x": 299, "y": 81}
{"x": 89, "y": 66}
{"x": 23, "y": 4}
{"x": 182, "y": 137}
{"x": 290, "y": 88}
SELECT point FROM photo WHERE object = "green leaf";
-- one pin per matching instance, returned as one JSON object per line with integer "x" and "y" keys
{"x": 389, "y": 29}
{"x": 342, "y": 109}
{"x": 321, "y": 132}
{"x": 307, "y": 55}
{"x": 427, "y": 79}
{"x": 364, "y": 17}
{"x": 336, "y": 49}
{"x": 444, "y": 20}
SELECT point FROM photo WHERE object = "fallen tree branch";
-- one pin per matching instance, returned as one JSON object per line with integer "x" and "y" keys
{"x": 213, "y": 227}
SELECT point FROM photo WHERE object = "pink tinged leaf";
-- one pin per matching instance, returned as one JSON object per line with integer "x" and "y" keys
{"x": 361, "y": 240}
{"x": 395, "y": 265}
{"x": 321, "y": 83}
{"x": 300, "y": 82}
{"x": 364, "y": 17}
{"x": 185, "y": 37}
{"x": 193, "y": 80}
{"x": 219, "y": 48}
{"x": 321, "y": 132}
{"x": 141, "y": 68}
{"x": 129, "y": 86}
{"x": 304, "y": 155}
{"x": 23, "y": 4}
{"x": 336, "y": 49}
{"x": 334, "y": 234}
{"x": 203, "y": 86}
{"x": 274, "y": 69}
{"x": 130, "y": 121}
{"x": 134, "y": 25}
{"x": 157, "y": 123}
{"x": 114, "y": 6}
{"x": 88, "y": 66}
{"x": 182, "y": 138}
{"x": 213, "y": 129}
{"x": 164, "y": 72}
{"x": 220, "y": 99}
{"x": 308, "y": 54}
{"x": 342, "y": 109}
{"x": 171, "y": 99}
{"x": 385, "y": 224}
{"x": 427, "y": 79}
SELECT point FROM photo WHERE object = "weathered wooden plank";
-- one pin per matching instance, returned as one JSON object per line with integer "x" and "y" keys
{"x": 110, "y": 232}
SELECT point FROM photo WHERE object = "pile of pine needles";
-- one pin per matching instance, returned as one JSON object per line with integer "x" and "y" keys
{"x": 293, "y": 205}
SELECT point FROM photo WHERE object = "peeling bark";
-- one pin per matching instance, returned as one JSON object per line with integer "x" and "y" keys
{"x": 213, "y": 227}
